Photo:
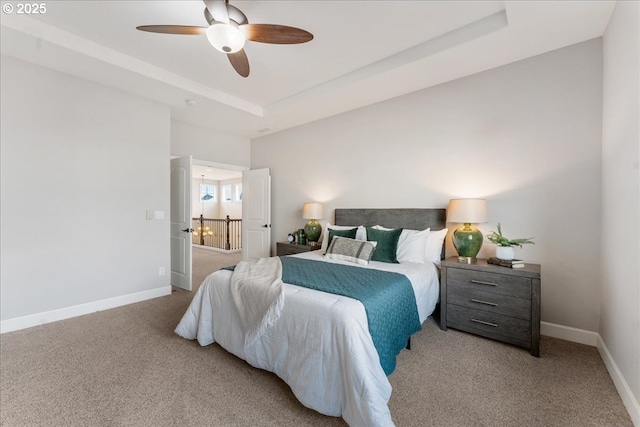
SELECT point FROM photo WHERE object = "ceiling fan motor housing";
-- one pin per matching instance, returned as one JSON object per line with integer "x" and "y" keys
{"x": 235, "y": 15}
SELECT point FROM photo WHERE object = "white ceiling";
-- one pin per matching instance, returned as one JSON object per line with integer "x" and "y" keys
{"x": 363, "y": 51}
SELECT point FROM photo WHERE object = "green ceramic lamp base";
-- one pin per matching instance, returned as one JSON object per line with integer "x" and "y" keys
{"x": 467, "y": 240}
{"x": 313, "y": 229}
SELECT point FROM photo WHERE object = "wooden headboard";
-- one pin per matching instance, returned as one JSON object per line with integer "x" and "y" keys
{"x": 415, "y": 219}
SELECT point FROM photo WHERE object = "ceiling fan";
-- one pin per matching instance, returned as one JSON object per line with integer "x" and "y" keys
{"x": 229, "y": 29}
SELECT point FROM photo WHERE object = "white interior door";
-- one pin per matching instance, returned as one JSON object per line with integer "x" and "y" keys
{"x": 181, "y": 222}
{"x": 256, "y": 214}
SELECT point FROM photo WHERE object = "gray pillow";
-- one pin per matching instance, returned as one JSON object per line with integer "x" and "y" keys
{"x": 352, "y": 250}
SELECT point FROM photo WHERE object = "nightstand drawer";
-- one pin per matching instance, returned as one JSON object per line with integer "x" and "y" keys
{"x": 490, "y": 325}
{"x": 487, "y": 300}
{"x": 493, "y": 282}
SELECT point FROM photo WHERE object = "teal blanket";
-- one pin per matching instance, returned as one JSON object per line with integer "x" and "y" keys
{"x": 388, "y": 299}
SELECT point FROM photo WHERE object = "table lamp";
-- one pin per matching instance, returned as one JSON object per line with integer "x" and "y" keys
{"x": 312, "y": 212}
{"x": 467, "y": 239}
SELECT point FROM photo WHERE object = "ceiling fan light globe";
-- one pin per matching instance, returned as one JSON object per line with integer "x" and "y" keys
{"x": 226, "y": 38}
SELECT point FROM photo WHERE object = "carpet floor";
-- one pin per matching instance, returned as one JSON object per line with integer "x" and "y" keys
{"x": 126, "y": 367}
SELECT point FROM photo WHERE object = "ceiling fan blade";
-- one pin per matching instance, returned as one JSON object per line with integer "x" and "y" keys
{"x": 173, "y": 29}
{"x": 240, "y": 62}
{"x": 218, "y": 10}
{"x": 278, "y": 34}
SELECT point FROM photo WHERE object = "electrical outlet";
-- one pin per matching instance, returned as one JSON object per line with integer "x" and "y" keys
{"x": 149, "y": 214}
{"x": 161, "y": 271}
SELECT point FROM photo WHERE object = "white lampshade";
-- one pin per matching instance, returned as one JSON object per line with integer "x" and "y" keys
{"x": 467, "y": 211}
{"x": 312, "y": 211}
{"x": 226, "y": 38}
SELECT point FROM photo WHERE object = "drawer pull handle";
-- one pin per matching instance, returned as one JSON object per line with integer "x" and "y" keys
{"x": 492, "y": 304}
{"x": 480, "y": 282}
{"x": 484, "y": 323}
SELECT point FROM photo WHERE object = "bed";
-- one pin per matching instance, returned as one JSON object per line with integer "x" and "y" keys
{"x": 320, "y": 344}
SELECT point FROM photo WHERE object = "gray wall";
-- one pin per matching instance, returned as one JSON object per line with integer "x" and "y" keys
{"x": 620, "y": 297}
{"x": 208, "y": 144}
{"x": 526, "y": 136}
{"x": 81, "y": 164}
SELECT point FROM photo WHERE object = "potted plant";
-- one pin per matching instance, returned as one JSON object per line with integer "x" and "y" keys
{"x": 504, "y": 250}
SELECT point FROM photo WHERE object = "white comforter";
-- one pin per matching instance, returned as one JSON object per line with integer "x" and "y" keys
{"x": 320, "y": 346}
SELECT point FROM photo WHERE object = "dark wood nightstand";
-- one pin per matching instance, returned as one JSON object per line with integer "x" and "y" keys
{"x": 496, "y": 302}
{"x": 286, "y": 248}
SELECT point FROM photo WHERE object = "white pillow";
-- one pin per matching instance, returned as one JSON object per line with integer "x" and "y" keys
{"x": 361, "y": 233}
{"x": 434, "y": 245}
{"x": 411, "y": 245}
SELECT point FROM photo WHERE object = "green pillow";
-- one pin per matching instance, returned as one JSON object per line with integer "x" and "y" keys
{"x": 349, "y": 234}
{"x": 386, "y": 250}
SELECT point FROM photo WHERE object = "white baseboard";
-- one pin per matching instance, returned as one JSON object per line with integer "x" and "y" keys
{"x": 594, "y": 339}
{"x": 629, "y": 400}
{"x": 31, "y": 320}
{"x": 568, "y": 333}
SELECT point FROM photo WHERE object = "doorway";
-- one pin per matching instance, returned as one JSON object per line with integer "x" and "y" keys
{"x": 216, "y": 206}
{"x": 226, "y": 181}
